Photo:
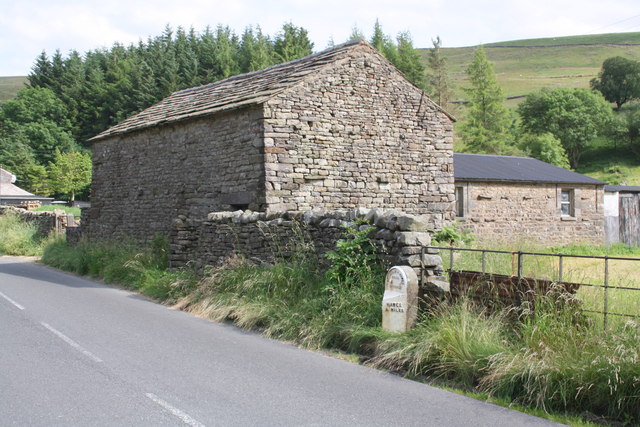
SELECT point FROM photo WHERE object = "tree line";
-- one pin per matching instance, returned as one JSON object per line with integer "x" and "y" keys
{"x": 72, "y": 98}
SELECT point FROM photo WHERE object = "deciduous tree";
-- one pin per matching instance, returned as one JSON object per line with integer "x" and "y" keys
{"x": 574, "y": 116}
{"x": 545, "y": 147}
{"x": 619, "y": 80}
{"x": 36, "y": 117}
{"x": 70, "y": 172}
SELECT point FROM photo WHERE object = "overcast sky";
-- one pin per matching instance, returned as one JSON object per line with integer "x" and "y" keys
{"x": 29, "y": 26}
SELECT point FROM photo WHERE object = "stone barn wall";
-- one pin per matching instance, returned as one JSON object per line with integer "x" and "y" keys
{"x": 144, "y": 179}
{"x": 504, "y": 212}
{"x": 358, "y": 135}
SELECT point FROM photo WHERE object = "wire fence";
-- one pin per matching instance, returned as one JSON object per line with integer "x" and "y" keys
{"x": 608, "y": 286}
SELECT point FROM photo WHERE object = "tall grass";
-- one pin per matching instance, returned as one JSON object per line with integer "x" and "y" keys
{"x": 295, "y": 300}
{"x": 560, "y": 361}
{"x": 18, "y": 237}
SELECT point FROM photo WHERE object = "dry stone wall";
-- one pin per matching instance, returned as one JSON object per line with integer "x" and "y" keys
{"x": 264, "y": 237}
{"x": 504, "y": 212}
{"x": 358, "y": 135}
{"x": 144, "y": 179}
{"x": 47, "y": 222}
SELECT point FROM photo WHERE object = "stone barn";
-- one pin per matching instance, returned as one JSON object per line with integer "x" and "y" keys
{"x": 339, "y": 129}
{"x": 506, "y": 199}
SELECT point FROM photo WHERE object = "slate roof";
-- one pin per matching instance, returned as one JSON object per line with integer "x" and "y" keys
{"x": 485, "y": 167}
{"x": 232, "y": 93}
{"x": 622, "y": 188}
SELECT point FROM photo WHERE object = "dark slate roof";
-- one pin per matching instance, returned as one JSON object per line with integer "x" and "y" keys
{"x": 622, "y": 188}
{"x": 485, "y": 167}
{"x": 235, "y": 92}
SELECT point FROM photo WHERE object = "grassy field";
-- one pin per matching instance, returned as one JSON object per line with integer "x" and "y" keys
{"x": 588, "y": 271}
{"x": 9, "y": 86}
{"x": 67, "y": 209}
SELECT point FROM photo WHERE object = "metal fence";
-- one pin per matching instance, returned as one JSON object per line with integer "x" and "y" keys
{"x": 556, "y": 272}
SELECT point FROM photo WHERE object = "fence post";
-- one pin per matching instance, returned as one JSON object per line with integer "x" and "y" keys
{"x": 560, "y": 269}
{"x": 484, "y": 262}
{"x": 606, "y": 290}
{"x": 519, "y": 265}
{"x": 450, "y": 261}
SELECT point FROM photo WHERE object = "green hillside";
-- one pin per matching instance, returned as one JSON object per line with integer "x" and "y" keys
{"x": 9, "y": 86}
{"x": 524, "y": 66}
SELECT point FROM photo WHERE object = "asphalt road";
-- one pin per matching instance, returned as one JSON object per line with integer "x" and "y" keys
{"x": 76, "y": 352}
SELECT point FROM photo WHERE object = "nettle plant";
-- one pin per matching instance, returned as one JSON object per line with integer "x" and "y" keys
{"x": 355, "y": 258}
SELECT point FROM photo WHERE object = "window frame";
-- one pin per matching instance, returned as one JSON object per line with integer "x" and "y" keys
{"x": 570, "y": 202}
{"x": 460, "y": 205}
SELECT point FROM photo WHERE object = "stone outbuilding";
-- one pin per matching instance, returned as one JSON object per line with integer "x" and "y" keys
{"x": 339, "y": 129}
{"x": 622, "y": 214}
{"x": 506, "y": 199}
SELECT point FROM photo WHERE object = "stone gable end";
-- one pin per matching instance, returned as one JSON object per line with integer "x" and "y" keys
{"x": 358, "y": 134}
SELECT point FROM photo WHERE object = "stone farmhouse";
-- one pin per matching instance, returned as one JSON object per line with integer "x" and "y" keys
{"x": 504, "y": 198}
{"x": 339, "y": 129}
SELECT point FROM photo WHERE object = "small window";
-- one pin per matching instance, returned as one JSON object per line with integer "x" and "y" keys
{"x": 567, "y": 203}
{"x": 459, "y": 201}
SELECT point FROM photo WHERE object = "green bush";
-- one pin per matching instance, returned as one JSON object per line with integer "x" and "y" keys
{"x": 452, "y": 235}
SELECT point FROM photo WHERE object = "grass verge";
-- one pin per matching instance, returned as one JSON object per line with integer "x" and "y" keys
{"x": 554, "y": 360}
{"x": 18, "y": 237}
{"x": 123, "y": 263}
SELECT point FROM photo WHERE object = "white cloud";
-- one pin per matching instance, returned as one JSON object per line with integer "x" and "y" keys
{"x": 29, "y": 26}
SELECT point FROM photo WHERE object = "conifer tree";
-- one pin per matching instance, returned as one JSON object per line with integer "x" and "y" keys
{"x": 187, "y": 60}
{"x": 256, "y": 51}
{"x": 40, "y": 75}
{"x": 383, "y": 43}
{"x": 225, "y": 51}
{"x": 409, "y": 62}
{"x": 438, "y": 78}
{"x": 292, "y": 43}
{"x": 486, "y": 128}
